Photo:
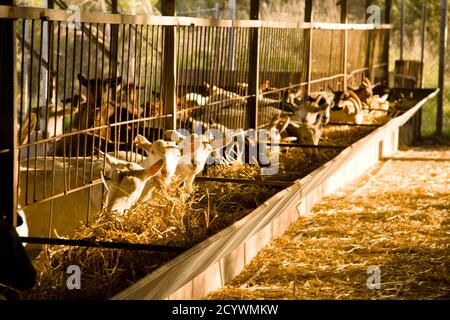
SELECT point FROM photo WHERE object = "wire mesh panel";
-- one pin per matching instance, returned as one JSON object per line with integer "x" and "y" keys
{"x": 283, "y": 68}
{"x": 358, "y": 59}
{"x": 327, "y": 59}
{"x": 83, "y": 89}
{"x": 212, "y": 75}
{"x": 89, "y": 87}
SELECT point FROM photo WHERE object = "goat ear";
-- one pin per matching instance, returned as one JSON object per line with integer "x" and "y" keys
{"x": 153, "y": 170}
{"x": 318, "y": 98}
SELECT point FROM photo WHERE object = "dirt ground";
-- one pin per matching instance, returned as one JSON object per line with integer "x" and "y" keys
{"x": 393, "y": 223}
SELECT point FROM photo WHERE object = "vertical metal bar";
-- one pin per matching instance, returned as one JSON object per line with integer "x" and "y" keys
{"x": 169, "y": 98}
{"x": 8, "y": 120}
{"x": 253, "y": 72}
{"x": 402, "y": 26}
{"x": 442, "y": 64}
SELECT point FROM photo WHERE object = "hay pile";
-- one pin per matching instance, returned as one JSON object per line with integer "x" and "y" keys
{"x": 174, "y": 218}
{"x": 399, "y": 221}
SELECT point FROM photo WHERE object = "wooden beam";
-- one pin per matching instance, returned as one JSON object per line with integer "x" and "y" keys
{"x": 8, "y": 118}
{"x": 387, "y": 17}
{"x": 442, "y": 63}
{"x": 402, "y": 26}
{"x": 169, "y": 66}
{"x": 344, "y": 11}
{"x": 253, "y": 74}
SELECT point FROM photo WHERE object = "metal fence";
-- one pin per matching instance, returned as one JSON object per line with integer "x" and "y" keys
{"x": 89, "y": 86}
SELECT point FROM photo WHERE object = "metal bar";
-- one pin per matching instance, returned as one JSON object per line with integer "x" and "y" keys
{"x": 28, "y": 47}
{"x": 253, "y": 72}
{"x": 103, "y": 244}
{"x": 8, "y": 120}
{"x": 307, "y": 146}
{"x": 273, "y": 183}
{"x": 354, "y": 124}
{"x": 442, "y": 64}
{"x": 169, "y": 98}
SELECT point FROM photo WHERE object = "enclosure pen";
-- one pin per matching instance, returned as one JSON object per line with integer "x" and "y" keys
{"x": 95, "y": 105}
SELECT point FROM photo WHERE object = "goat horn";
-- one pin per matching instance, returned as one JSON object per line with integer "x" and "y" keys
{"x": 285, "y": 125}
{"x": 357, "y": 100}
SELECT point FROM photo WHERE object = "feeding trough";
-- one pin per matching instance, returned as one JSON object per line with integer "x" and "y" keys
{"x": 215, "y": 261}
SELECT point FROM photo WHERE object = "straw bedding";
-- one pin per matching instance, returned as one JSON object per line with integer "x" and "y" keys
{"x": 399, "y": 220}
{"x": 174, "y": 218}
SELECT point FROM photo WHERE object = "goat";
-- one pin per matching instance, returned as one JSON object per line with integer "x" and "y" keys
{"x": 51, "y": 125}
{"x": 195, "y": 151}
{"x": 309, "y": 117}
{"x": 127, "y": 182}
{"x": 365, "y": 90}
{"x": 348, "y": 110}
{"x": 160, "y": 149}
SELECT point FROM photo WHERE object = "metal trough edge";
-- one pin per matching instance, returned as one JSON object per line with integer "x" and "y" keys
{"x": 212, "y": 263}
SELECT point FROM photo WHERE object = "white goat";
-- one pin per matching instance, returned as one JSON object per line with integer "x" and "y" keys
{"x": 196, "y": 149}
{"x": 309, "y": 118}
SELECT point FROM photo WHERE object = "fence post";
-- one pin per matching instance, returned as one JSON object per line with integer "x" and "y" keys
{"x": 308, "y": 43}
{"x": 370, "y": 46}
{"x": 344, "y": 20}
{"x": 253, "y": 70}
{"x": 442, "y": 52}
{"x": 387, "y": 18}
{"x": 168, "y": 90}
{"x": 8, "y": 118}
{"x": 402, "y": 26}
{"x": 114, "y": 49}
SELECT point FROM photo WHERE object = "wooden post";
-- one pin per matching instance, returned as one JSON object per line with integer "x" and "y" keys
{"x": 168, "y": 90}
{"x": 343, "y": 11}
{"x": 387, "y": 20}
{"x": 8, "y": 118}
{"x": 114, "y": 49}
{"x": 422, "y": 38}
{"x": 402, "y": 26}
{"x": 253, "y": 72}
{"x": 308, "y": 43}
{"x": 344, "y": 19}
{"x": 442, "y": 51}
{"x": 370, "y": 46}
